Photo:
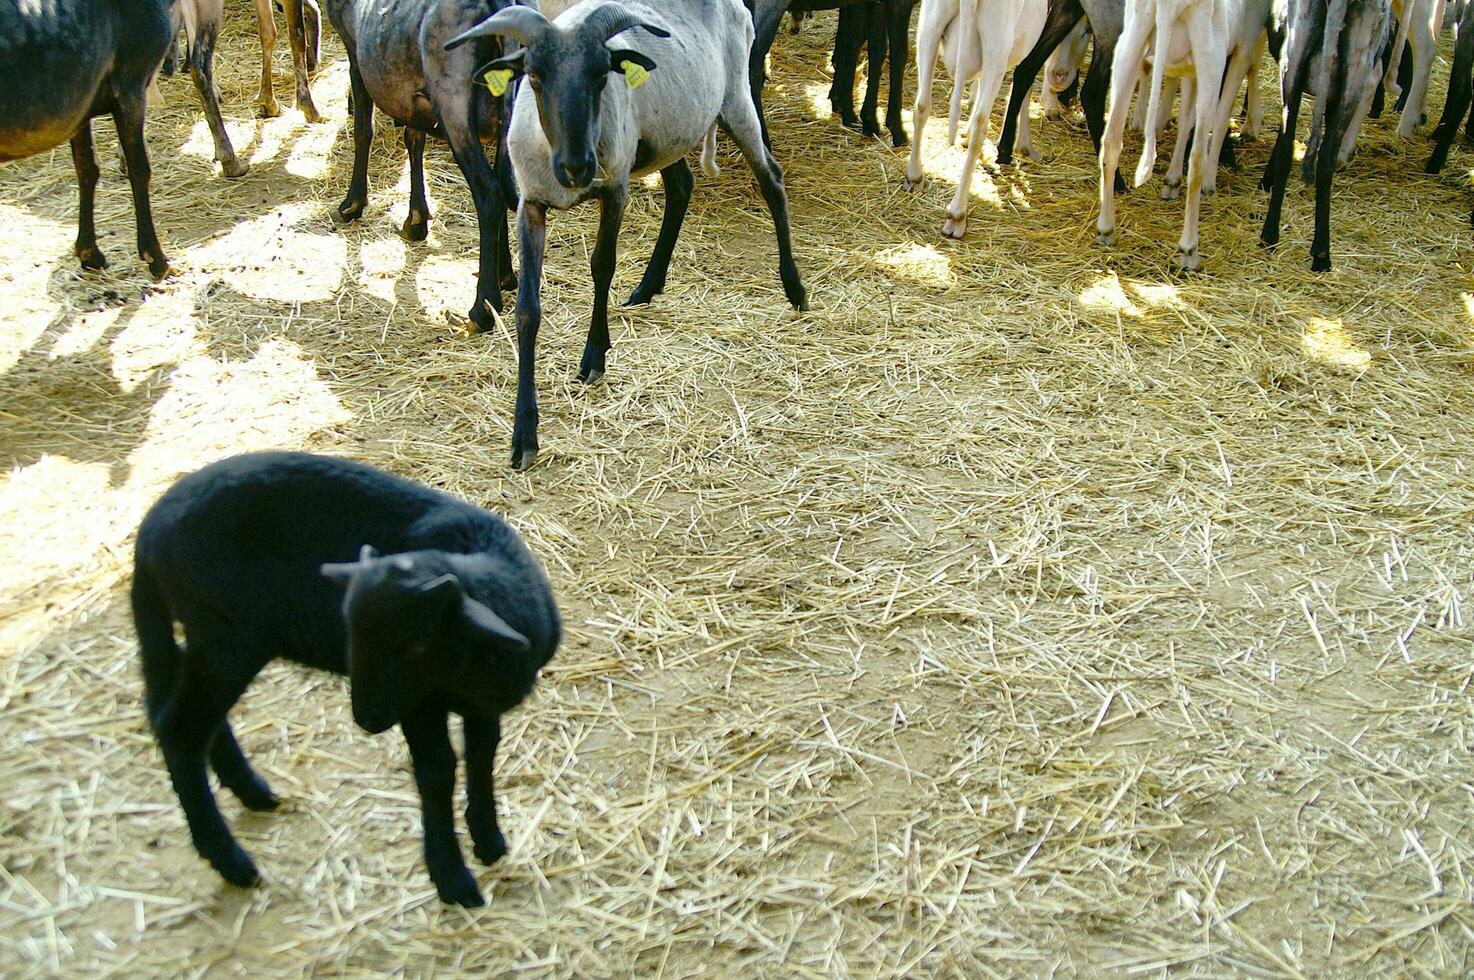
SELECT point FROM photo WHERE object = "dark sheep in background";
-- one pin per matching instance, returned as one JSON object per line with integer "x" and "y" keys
{"x": 255, "y": 557}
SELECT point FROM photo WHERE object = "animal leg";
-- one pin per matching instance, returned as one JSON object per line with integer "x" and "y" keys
{"x": 1057, "y": 27}
{"x": 297, "y": 36}
{"x": 1209, "y": 66}
{"x": 481, "y": 736}
{"x": 363, "y": 134}
{"x": 876, "y": 43}
{"x": 990, "y": 79}
{"x": 848, "y": 36}
{"x": 1280, "y": 160}
{"x": 266, "y": 104}
{"x": 202, "y": 35}
{"x": 128, "y": 108}
{"x": 678, "y": 182}
{"x": 898, "y": 34}
{"x": 84, "y": 161}
{"x": 739, "y": 120}
{"x": 460, "y": 111}
{"x": 532, "y": 234}
{"x": 417, "y": 222}
{"x": 1125, "y": 72}
{"x": 1172, "y": 182}
{"x": 1423, "y": 35}
{"x": 928, "y": 41}
{"x": 435, "y": 776}
{"x": 601, "y": 269}
{"x": 236, "y": 774}
{"x": 765, "y": 27}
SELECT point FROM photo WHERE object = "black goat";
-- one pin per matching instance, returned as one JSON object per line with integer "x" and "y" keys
{"x": 66, "y": 61}
{"x": 252, "y": 555}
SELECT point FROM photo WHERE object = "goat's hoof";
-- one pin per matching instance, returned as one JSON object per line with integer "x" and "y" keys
{"x": 1268, "y": 242}
{"x": 870, "y": 130}
{"x": 268, "y": 110}
{"x": 236, "y": 867}
{"x": 91, "y": 257}
{"x": 492, "y": 849}
{"x": 1188, "y": 261}
{"x": 1171, "y": 190}
{"x": 349, "y": 210}
{"x": 258, "y": 797}
{"x": 416, "y": 227}
{"x": 914, "y": 183}
{"x": 1106, "y": 237}
{"x": 158, "y": 265}
{"x": 954, "y": 227}
{"x": 1120, "y": 183}
{"x": 1208, "y": 190}
{"x": 233, "y": 168}
{"x": 459, "y": 888}
{"x": 523, "y": 456}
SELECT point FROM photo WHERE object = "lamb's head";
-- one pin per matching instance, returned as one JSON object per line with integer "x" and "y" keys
{"x": 568, "y": 68}
{"x": 412, "y": 630}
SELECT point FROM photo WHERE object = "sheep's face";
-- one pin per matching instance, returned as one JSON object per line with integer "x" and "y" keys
{"x": 412, "y": 631}
{"x": 568, "y": 73}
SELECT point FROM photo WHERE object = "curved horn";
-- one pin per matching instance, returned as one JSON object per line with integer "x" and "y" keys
{"x": 523, "y": 24}
{"x": 609, "y": 19}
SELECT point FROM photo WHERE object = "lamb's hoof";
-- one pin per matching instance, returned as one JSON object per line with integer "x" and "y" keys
{"x": 349, "y": 210}
{"x": 233, "y": 168}
{"x": 492, "y": 850}
{"x": 1189, "y": 261}
{"x": 954, "y": 227}
{"x": 416, "y": 227}
{"x": 91, "y": 257}
{"x": 914, "y": 183}
{"x": 1107, "y": 238}
{"x": 1171, "y": 190}
{"x": 459, "y": 888}
{"x": 268, "y": 110}
{"x": 236, "y": 867}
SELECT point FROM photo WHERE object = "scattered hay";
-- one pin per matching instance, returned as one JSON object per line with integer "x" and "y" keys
{"x": 1023, "y": 608}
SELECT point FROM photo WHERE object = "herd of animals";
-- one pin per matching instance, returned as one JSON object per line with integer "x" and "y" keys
{"x": 433, "y": 606}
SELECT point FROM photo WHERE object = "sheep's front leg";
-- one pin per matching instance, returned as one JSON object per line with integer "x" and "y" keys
{"x": 601, "y": 265}
{"x": 678, "y": 182}
{"x": 481, "y": 737}
{"x": 435, "y": 775}
{"x": 532, "y": 235}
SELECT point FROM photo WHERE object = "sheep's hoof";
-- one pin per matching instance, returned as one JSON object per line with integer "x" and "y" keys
{"x": 236, "y": 867}
{"x": 158, "y": 265}
{"x": 914, "y": 183}
{"x": 481, "y": 317}
{"x": 523, "y": 456}
{"x": 1171, "y": 190}
{"x": 954, "y": 227}
{"x": 459, "y": 888}
{"x": 268, "y": 109}
{"x": 233, "y": 168}
{"x": 1189, "y": 260}
{"x": 1105, "y": 237}
{"x": 492, "y": 850}
{"x": 1320, "y": 262}
{"x": 350, "y": 210}
{"x": 416, "y": 226}
{"x": 91, "y": 257}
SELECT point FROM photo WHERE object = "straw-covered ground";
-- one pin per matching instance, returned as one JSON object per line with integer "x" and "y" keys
{"x": 1023, "y": 608}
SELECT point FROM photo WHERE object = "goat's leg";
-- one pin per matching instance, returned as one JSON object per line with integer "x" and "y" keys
{"x": 1460, "y": 89}
{"x": 1423, "y": 37}
{"x": 1186, "y": 120}
{"x": 532, "y": 235}
{"x": 128, "y": 109}
{"x": 363, "y": 135}
{"x": 481, "y": 736}
{"x": 297, "y": 36}
{"x": 1124, "y": 74}
{"x": 1280, "y": 161}
{"x": 1062, "y": 20}
{"x": 84, "y": 161}
{"x": 876, "y": 42}
{"x": 678, "y": 182}
{"x": 990, "y": 79}
{"x": 204, "y": 23}
{"x": 266, "y": 104}
{"x": 435, "y": 776}
{"x": 417, "y": 222}
{"x": 601, "y": 269}
{"x": 1093, "y": 99}
{"x": 898, "y": 47}
{"x": 765, "y": 20}
{"x": 311, "y": 34}
{"x": 928, "y": 44}
{"x": 740, "y": 121}
{"x": 1209, "y": 66}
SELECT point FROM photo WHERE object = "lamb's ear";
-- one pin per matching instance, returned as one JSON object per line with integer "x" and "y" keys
{"x": 481, "y": 620}
{"x": 444, "y": 591}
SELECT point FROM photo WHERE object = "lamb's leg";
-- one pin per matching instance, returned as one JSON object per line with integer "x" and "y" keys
{"x": 236, "y": 774}
{"x": 435, "y": 776}
{"x": 481, "y": 737}
{"x": 601, "y": 269}
{"x": 266, "y": 103}
{"x": 678, "y": 182}
{"x": 84, "y": 161}
{"x": 417, "y": 222}
{"x": 740, "y": 121}
{"x": 532, "y": 235}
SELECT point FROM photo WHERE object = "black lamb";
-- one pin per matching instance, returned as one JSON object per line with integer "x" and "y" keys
{"x": 254, "y": 556}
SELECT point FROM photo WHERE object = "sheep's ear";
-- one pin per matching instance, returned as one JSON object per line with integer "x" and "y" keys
{"x": 487, "y": 624}
{"x": 634, "y": 66}
{"x": 497, "y": 75}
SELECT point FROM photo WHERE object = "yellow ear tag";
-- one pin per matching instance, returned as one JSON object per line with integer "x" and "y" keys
{"x": 498, "y": 80}
{"x": 635, "y": 75}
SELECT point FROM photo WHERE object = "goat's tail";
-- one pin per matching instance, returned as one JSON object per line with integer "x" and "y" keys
{"x": 160, "y": 654}
{"x": 1165, "y": 15}
{"x": 966, "y": 39}
{"x": 709, "y": 153}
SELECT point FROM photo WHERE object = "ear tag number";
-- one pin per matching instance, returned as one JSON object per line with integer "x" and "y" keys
{"x": 634, "y": 75}
{"x": 498, "y": 80}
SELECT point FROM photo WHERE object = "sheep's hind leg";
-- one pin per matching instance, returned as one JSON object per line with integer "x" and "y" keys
{"x": 601, "y": 266}
{"x": 678, "y": 182}
{"x": 740, "y": 121}
{"x": 417, "y": 222}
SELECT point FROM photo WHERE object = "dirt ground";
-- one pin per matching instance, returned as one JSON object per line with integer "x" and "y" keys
{"x": 1025, "y": 608}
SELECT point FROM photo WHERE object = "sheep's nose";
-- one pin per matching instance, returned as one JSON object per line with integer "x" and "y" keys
{"x": 576, "y": 174}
